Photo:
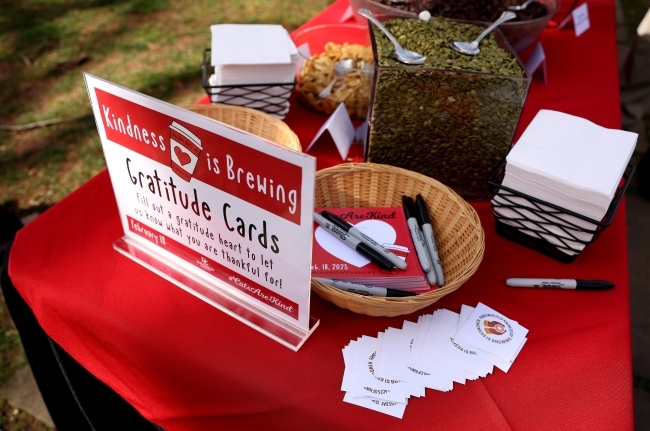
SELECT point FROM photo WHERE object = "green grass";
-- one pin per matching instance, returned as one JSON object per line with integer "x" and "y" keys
{"x": 12, "y": 419}
{"x": 12, "y": 355}
{"x": 151, "y": 46}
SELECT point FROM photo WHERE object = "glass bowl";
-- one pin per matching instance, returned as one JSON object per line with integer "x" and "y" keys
{"x": 326, "y": 45}
{"x": 520, "y": 34}
{"x": 454, "y": 123}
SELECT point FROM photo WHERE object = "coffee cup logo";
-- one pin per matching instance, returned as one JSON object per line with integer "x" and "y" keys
{"x": 494, "y": 328}
{"x": 185, "y": 150}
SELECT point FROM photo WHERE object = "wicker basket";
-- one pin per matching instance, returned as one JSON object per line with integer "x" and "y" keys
{"x": 459, "y": 236}
{"x": 252, "y": 121}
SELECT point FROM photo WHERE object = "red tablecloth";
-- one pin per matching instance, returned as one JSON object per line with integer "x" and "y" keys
{"x": 186, "y": 366}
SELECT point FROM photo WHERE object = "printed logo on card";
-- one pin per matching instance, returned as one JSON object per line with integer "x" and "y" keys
{"x": 185, "y": 150}
{"x": 494, "y": 328}
{"x": 371, "y": 368}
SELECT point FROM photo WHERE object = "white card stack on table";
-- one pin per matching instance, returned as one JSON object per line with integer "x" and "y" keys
{"x": 440, "y": 349}
{"x": 569, "y": 162}
{"x": 250, "y": 54}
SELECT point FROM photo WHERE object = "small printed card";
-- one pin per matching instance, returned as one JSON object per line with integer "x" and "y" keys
{"x": 536, "y": 61}
{"x": 340, "y": 129}
{"x": 580, "y": 18}
{"x": 394, "y": 357}
{"x": 495, "y": 337}
{"x": 382, "y": 373}
{"x": 332, "y": 258}
{"x": 388, "y": 407}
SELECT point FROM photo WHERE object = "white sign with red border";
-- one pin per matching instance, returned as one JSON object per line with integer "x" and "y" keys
{"x": 222, "y": 203}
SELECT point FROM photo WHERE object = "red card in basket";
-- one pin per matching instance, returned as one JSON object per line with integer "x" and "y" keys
{"x": 334, "y": 259}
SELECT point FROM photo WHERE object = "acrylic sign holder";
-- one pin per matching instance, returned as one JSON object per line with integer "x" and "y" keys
{"x": 282, "y": 315}
{"x": 222, "y": 296}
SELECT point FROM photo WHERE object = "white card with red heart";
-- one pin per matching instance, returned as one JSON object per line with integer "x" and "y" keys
{"x": 332, "y": 258}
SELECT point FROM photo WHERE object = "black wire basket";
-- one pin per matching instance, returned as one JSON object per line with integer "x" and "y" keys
{"x": 270, "y": 98}
{"x": 544, "y": 227}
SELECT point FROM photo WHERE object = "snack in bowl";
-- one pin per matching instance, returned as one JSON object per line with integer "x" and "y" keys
{"x": 351, "y": 88}
{"x": 520, "y": 32}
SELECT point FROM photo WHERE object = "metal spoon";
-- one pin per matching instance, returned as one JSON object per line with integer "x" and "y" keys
{"x": 342, "y": 68}
{"x": 471, "y": 48}
{"x": 366, "y": 69}
{"x": 403, "y": 55}
{"x": 521, "y": 7}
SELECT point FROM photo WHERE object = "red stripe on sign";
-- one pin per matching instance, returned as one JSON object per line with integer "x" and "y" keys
{"x": 239, "y": 282}
{"x": 268, "y": 182}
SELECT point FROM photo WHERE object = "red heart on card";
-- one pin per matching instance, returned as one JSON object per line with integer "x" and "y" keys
{"x": 183, "y": 157}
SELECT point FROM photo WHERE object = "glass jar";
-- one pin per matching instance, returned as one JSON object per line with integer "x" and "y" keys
{"x": 452, "y": 125}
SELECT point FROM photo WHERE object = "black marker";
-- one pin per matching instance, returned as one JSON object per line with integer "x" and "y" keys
{"x": 353, "y": 243}
{"x": 365, "y": 289}
{"x": 560, "y": 283}
{"x": 427, "y": 232}
{"x": 418, "y": 239}
{"x": 392, "y": 258}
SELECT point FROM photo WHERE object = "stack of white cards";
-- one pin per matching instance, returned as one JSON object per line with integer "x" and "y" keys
{"x": 440, "y": 349}
{"x": 569, "y": 162}
{"x": 252, "y": 56}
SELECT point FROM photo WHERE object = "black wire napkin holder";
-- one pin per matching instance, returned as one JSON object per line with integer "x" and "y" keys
{"x": 270, "y": 98}
{"x": 551, "y": 226}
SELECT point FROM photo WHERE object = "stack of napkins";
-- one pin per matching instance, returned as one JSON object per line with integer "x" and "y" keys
{"x": 252, "y": 56}
{"x": 441, "y": 348}
{"x": 569, "y": 162}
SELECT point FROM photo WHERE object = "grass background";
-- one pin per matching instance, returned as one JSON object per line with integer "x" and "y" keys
{"x": 151, "y": 46}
